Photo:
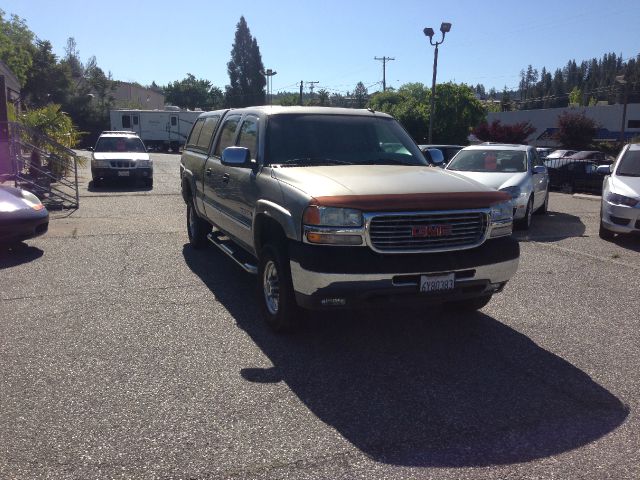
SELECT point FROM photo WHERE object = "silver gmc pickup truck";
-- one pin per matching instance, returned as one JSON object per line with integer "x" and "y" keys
{"x": 335, "y": 208}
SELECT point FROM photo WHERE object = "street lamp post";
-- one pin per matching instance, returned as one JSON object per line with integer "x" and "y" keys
{"x": 269, "y": 73}
{"x": 445, "y": 27}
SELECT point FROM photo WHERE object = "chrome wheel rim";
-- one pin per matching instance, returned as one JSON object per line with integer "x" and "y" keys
{"x": 271, "y": 287}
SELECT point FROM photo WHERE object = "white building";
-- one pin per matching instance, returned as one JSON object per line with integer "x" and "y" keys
{"x": 608, "y": 118}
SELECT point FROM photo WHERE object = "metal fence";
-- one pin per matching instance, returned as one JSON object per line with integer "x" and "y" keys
{"x": 567, "y": 175}
{"x": 44, "y": 167}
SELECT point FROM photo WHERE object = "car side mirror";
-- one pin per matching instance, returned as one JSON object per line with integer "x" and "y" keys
{"x": 604, "y": 169}
{"x": 237, "y": 157}
{"x": 539, "y": 169}
{"x": 90, "y": 149}
{"x": 437, "y": 157}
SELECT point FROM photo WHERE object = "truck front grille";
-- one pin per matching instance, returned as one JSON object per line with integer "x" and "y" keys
{"x": 122, "y": 164}
{"x": 429, "y": 231}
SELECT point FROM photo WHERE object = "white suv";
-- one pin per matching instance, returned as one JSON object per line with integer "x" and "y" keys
{"x": 620, "y": 207}
{"x": 121, "y": 155}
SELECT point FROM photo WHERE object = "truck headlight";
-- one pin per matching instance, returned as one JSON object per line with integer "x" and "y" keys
{"x": 332, "y": 217}
{"x": 501, "y": 212}
{"x": 144, "y": 163}
{"x": 515, "y": 191}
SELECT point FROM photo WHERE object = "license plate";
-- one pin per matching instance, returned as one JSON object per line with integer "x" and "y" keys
{"x": 434, "y": 283}
{"x": 123, "y": 173}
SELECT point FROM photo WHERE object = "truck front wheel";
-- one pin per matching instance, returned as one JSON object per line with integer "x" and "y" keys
{"x": 275, "y": 290}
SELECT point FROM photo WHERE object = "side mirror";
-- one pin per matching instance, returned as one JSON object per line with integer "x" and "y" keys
{"x": 90, "y": 149}
{"x": 539, "y": 169}
{"x": 604, "y": 169}
{"x": 237, "y": 157}
{"x": 437, "y": 157}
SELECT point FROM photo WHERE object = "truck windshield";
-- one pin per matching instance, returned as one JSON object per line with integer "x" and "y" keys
{"x": 119, "y": 144}
{"x": 317, "y": 139}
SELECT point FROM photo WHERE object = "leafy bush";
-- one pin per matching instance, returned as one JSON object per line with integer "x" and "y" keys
{"x": 575, "y": 130}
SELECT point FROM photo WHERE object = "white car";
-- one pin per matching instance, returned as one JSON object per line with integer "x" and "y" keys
{"x": 121, "y": 155}
{"x": 620, "y": 207}
{"x": 515, "y": 169}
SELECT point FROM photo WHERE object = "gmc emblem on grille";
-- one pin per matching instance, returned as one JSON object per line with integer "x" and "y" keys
{"x": 431, "y": 231}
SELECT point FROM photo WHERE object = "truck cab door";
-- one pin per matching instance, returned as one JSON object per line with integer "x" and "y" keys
{"x": 215, "y": 207}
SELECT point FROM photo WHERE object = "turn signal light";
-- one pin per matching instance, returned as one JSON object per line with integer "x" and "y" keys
{"x": 333, "y": 239}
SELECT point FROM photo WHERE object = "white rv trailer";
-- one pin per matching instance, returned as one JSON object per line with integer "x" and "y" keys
{"x": 158, "y": 129}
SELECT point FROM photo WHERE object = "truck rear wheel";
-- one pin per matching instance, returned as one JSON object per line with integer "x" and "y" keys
{"x": 275, "y": 290}
{"x": 197, "y": 228}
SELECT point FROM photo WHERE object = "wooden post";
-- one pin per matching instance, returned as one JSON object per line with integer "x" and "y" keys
{"x": 6, "y": 165}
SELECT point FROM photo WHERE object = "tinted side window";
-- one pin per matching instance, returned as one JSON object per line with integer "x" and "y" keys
{"x": 248, "y": 137}
{"x": 227, "y": 134}
{"x": 195, "y": 133}
{"x": 126, "y": 121}
{"x": 207, "y": 132}
{"x": 174, "y": 121}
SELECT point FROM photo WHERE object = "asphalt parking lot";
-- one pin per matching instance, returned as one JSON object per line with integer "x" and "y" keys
{"x": 126, "y": 354}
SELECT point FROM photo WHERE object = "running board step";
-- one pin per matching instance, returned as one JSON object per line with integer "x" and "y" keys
{"x": 232, "y": 251}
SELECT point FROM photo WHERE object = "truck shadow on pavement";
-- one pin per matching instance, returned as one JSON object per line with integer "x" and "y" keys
{"x": 422, "y": 388}
{"x": 552, "y": 227}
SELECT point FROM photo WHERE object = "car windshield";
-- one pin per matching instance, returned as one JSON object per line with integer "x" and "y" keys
{"x": 119, "y": 144}
{"x": 630, "y": 164}
{"x": 584, "y": 155}
{"x": 317, "y": 139}
{"x": 478, "y": 160}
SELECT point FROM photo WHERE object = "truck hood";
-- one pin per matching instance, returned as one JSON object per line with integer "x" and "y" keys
{"x": 388, "y": 187}
{"x": 120, "y": 156}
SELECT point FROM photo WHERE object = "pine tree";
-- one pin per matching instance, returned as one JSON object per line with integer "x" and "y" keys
{"x": 246, "y": 80}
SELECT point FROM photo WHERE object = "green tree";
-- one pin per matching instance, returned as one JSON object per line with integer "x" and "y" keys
{"x": 360, "y": 96}
{"x": 47, "y": 81}
{"x": 246, "y": 81}
{"x": 194, "y": 93}
{"x": 457, "y": 110}
{"x": 323, "y": 97}
{"x": 575, "y": 96}
{"x": 16, "y": 45}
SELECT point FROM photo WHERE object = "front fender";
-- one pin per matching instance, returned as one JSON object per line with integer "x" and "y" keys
{"x": 278, "y": 213}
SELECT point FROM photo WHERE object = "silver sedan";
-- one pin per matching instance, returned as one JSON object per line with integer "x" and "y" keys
{"x": 515, "y": 169}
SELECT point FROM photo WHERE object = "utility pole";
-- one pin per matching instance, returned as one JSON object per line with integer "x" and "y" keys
{"x": 311, "y": 87}
{"x": 301, "y": 87}
{"x": 620, "y": 79}
{"x": 384, "y": 70}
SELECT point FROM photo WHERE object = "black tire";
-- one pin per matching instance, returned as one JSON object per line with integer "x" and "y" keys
{"x": 525, "y": 223}
{"x": 545, "y": 205}
{"x": 97, "y": 183}
{"x": 149, "y": 182}
{"x": 468, "y": 305}
{"x": 275, "y": 289}
{"x": 197, "y": 228}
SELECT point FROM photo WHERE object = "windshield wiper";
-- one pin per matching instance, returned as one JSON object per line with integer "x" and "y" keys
{"x": 310, "y": 161}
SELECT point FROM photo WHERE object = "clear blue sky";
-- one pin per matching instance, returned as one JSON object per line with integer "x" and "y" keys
{"x": 334, "y": 42}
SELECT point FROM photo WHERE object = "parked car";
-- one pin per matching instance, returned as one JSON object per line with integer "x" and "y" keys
{"x": 22, "y": 216}
{"x": 573, "y": 175}
{"x": 119, "y": 155}
{"x": 543, "y": 151}
{"x": 336, "y": 208}
{"x": 620, "y": 204}
{"x": 598, "y": 157}
{"x": 515, "y": 169}
{"x": 560, "y": 154}
{"x": 448, "y": 151}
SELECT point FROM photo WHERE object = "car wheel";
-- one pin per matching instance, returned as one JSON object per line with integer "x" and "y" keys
{"x": 603, "y": 232}
{"x": 197, "y": 228}
{"x": 545, "y": 206}
{"x": 149, "y": 182}
{"x": 525, "y": 223}
{"x": 469, "y": 305}
{"x": 96, "y": 183}
{"x": 277, "y": 300}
